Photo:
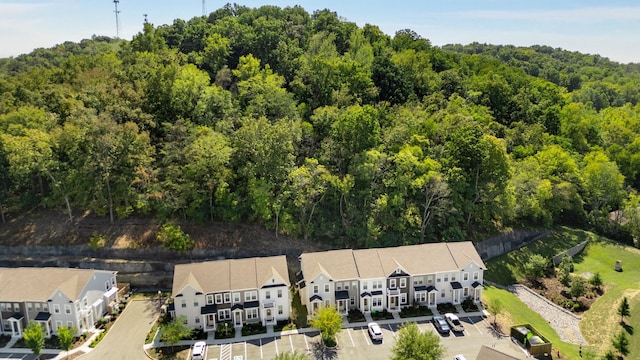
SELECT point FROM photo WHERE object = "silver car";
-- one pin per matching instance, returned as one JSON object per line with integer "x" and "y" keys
{"x": 440, "y": 324}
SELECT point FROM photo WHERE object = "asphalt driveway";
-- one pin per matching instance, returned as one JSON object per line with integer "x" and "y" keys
{"x": 126, "y": 337}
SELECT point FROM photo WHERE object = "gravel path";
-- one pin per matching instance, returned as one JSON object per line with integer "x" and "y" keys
{"x": 564, "y": 322}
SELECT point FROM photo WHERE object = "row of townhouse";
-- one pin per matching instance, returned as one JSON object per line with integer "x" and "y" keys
{"x": 238, "y": 291}
{"x": 391, "y": 278}
{"x": 54, "y": 297}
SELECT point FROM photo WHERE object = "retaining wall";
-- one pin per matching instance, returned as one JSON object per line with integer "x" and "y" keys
{"x": 508, "y": 241}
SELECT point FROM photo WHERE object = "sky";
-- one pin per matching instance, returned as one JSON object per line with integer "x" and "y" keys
{"x": 608, "y": 28}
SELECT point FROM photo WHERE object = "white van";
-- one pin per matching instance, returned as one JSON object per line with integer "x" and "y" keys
{"x": 198, "y": 351}
{"x": 459, "y": 357}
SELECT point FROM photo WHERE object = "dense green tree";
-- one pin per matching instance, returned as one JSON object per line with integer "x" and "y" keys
{"x": 65, "y": 337}
{"x": 623, "y": 309}
{"x": 535, "y": 266}
{"x": 174, "y": 331}
{"x": 495, "y": 308}
{"x": 329, "y": 322}
{"x": 33, "y": 336}
{"x": 413, "y": 344}
{"x": 620, "y": 342}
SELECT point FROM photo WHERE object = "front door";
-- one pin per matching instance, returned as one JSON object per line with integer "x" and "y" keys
{"x": 393, "y": 302}
{"x": 237, "y": 318}
{"x": 366, "y": 305}
{"x": 432, "y": 299}
{"x": 269, "y": 315}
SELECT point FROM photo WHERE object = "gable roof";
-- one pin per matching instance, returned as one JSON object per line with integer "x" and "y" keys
{"x": 337, "y": 264}
{"x": 228, "y": 275}
{"x": 39, "y": 284}
{"x": 487, "y": 353}
{"x": 382, "y": 262}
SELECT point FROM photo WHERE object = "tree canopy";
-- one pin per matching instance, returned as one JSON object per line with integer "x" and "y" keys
{"x": 312, "y": 126}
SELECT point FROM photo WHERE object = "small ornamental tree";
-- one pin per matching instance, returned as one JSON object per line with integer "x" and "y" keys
{"x": 415, "y": 345}
{"x": 174, "y": 331}
{"x": 623, "y": 309}
{"x": 596, "y": 280}
{"x": 34, "y": 338}
{"x": 329, "y": 322}
{"x": 620, "y": 342}
{"x": 494, "y": 306}
{"x": 564, "y": 270}
{"x": 65, "y": 337}
{"x": 578, "y": 286}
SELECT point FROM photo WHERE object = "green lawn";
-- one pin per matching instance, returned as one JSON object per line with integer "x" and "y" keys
{"x": 516, "y": 312}
{"x": 506, "y": 269}
{"x": 601, "y": 322}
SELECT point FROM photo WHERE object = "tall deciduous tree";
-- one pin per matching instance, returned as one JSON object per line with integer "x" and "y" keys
{"x": 308, "y": 185}
{"x": 65, "y": 337}
{"x": 174, "y": 331}
{"x": 412, "y": 344}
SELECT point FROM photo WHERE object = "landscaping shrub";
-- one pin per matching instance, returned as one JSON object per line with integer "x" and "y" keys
{"x": 252, "y": 329}
{"x": 355, "y": 315}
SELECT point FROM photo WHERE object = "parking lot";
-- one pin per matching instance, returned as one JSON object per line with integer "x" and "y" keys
{"x": 355, "y": 343}
{"x": 14, "y": 356}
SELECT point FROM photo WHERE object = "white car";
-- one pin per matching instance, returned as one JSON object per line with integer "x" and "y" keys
{"x": 374, "y": 331}
{"x": 459, "y": 357}
{"x": 199, "y": 350}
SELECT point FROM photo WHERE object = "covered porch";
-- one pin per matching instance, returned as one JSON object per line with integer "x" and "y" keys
{"x": 456, "y": 292}
{"x": 268, "y": 314}
{"x": 426, "y": 295}
{"x": 477, "y": 291}
{"x": 208, "y": 317}
{"x": 15, "y": 324}
{"x": 342, "y": 302}
{"x": 44, "y": 319}
{"x": 316, "y": 303}
{"x": 393, "y": 299}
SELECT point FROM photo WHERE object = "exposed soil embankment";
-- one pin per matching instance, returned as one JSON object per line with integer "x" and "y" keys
{"x": 50, "y": 239}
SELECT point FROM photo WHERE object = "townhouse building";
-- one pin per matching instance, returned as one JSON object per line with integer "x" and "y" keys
{"x": 237, "y": 291}
{"x": 391, "y": 278}
{"x": 54, "y": 297}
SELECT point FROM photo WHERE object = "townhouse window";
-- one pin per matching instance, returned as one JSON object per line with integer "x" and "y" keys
{"x": 252, "y": 314}
{"x": 465, "y": 292}
{"x": 442, "y": 295}
{"x": 224, "y": 314}
{"x": 236, "y": 297}
{"x": 403, "y": 283}
{"x": 16, "y": 307}
{"x": 209, "y": 299}
{"x": 446, "y": 278}
{"x": 376, "y": 301}
{"x": 77, "y": 307}
{"x": 267, "y": 295}
{"x": 453, "y": 277}
{"x": 227, "y": 297}
{"x": 279, "y": 293}
{"x": 107, "y": 285}
{"x": 354, "y": 284}
{"x": 183, "y": 303}
{"x": 280, "y": 310}
{"x": 37, "y": 306}
{"x": 338, "y": 286}
{"x": 58, "y": 324}
{"x": 326, "y": 288}
{"x": 327, "y": 303}
{"x": 3, "y": 307}
{"x": 365, "y": 285}
{"x": 45, "y": 307}
{"x": 197, "y": 319}
{"x": 346, "y": 286}
{"x": 475, "y": 275}
{"x": 315, "y": 289}
{"x": 67, "y": 309}
{"x": 438, "y": 280}
{"x": 185, "y": 321}
{"x": 403, "y": 298}
{"x": 420, "y": 297}
{"x": 69, "y": 324}
{"x": 465, "y": 276}
{"x": 29, "y": 306}
{"x": 398, "y": 271}
{"x": 195, "y": 303}
{"x": 218, "y": 298}
{"x": 250, "y": 295}
{"x": 85, "y": 302}
{"x": 430, "y": 281}
{"x": 392, "y": 283}
{"x": 418, "y": 281}
{"x": 56, "y": 308}
{"x": 352, "y": 301}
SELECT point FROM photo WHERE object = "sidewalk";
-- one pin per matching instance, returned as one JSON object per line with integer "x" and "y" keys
{"x": 270, "y": 333}
{"x": 59, "y": 353}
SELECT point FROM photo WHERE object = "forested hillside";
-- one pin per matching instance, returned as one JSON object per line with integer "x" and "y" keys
{"x": 314, "y": 127}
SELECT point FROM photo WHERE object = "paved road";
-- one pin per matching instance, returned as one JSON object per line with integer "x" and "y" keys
{"x": 126, "y": 338}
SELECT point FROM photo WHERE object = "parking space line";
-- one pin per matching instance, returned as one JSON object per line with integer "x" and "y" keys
{"x": 349, "y": 332}
{"x": 245, "y": 350}
{"x": 366, "y": 337}
{"x": 291, "y": 342}
{"x": 306, "y": 342}
{"x": 275, "y": 341}
{"x": 474, "y": 325}
{"x": 391, "y": 329}
{"x": 261, "y": 354}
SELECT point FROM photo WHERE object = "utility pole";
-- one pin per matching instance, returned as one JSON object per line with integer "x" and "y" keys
{"x": 204, "y": 11}
{"x": 117, "y": 21}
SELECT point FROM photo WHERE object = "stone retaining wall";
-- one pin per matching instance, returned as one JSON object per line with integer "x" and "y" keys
{"x": 508, "y": 241}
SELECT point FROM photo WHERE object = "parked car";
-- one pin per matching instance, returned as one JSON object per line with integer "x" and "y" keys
{"x": 459, "y": 357}
{"x": 454, "y": 322}
{"x": 199, "y": 350}
{"x": 441, "y": 324}
{"x": 374, "y": 331}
